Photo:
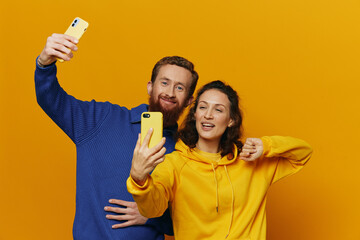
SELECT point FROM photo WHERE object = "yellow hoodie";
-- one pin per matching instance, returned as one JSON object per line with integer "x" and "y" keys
{"x": 222, "y": 199}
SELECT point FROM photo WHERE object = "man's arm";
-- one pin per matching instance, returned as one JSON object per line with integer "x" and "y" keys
{"x": 57, "y": 46}
{"x": 76, "y": 118}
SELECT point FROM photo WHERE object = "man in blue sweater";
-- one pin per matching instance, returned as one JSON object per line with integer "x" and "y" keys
{"x": 105, "y": 135}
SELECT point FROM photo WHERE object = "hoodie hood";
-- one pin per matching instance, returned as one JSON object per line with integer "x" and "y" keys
{"x": 184, "y": 150}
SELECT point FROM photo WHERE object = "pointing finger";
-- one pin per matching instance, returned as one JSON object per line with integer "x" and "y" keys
{"x": 147, "y": 138}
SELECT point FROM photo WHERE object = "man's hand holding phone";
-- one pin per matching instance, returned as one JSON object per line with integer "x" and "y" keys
{"x": 58, "y": 46}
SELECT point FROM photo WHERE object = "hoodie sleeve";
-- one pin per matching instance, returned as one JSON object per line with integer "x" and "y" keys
{"x": 284, "y": 156}
{"x": 76, "y": 118}
{"x": 153, "y": 197}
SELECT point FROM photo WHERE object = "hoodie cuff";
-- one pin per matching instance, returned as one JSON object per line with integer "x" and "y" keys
{"x": 144, "y": 186}
{"x": 266, "y": 144}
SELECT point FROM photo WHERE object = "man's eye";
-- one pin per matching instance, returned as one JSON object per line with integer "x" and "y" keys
{"x": 164, "y": 83}
{"x": 201, "y": 107}
{"x": 179, "y": 88}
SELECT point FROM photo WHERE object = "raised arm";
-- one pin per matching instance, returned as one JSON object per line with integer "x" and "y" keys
{"x": 76, "y": 118}
{"x": 291, "y": 154}
{"x": 282, "y": 156}
{"x": 57, "y": 46}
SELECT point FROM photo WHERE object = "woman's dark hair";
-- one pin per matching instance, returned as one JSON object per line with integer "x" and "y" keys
{"x": 188, "y": 133}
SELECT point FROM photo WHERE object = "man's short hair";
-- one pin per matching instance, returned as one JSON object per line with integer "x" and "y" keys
{"x": 178, "y": 61}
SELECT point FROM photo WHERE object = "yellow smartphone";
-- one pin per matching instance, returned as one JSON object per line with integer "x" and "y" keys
{"x": 152, "y": 120}
{"x": 76, "y": 29}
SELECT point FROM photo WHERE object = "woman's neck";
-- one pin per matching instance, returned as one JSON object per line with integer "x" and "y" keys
{"x": 208, "y": 146}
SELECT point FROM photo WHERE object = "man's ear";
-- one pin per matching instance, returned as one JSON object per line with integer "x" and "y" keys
{"x": 189, "y": 101}
{"x": 149, "y": 87}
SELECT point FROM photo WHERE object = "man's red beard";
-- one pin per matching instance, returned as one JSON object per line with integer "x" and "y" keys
{"x": 171, "y": 116}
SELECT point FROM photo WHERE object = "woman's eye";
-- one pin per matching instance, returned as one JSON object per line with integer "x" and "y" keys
{"x": 218, "y": 110}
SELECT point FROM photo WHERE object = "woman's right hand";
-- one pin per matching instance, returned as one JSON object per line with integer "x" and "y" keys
{"x": 145, "y": 159}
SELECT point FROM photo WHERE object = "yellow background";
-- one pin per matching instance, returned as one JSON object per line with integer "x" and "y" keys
{"x": 294, "y": 63}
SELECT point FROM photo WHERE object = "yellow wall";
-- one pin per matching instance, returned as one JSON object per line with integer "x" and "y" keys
{"x": 294, "y": 63}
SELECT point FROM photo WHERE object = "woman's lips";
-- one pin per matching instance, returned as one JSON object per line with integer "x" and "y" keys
{"x": 207, "y": 126}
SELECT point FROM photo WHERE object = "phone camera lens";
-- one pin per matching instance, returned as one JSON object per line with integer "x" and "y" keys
{"x": 146, "y": 115}
{"x": 73, "y": 25}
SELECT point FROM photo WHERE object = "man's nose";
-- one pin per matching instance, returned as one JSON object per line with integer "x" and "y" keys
{"x": 170, "y": 91}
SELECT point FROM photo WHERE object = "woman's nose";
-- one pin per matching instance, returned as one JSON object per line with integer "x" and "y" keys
{"x": 208, "y": 114}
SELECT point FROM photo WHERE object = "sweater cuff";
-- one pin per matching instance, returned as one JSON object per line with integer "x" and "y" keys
{"x": 44, "y": 67}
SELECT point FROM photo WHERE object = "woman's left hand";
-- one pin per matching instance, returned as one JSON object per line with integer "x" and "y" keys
{"x": 253, "y": 149}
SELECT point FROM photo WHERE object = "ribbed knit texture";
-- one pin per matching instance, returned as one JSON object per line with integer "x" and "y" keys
{"x": 105, "y": 136}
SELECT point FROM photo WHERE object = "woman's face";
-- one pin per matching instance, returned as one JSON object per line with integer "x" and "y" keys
{"x": 212, "y": 115}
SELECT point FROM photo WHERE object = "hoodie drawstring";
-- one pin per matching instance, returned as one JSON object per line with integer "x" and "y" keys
{"x": 232, "y": 196}
{"x": 216, "y": 184}
{"x": 232, "y": 201}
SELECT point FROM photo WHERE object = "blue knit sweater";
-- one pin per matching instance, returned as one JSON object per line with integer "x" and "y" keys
{"x": 105, "y": 135}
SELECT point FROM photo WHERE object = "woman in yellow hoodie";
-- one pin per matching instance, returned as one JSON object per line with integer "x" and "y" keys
{"x": 216, "y": 186}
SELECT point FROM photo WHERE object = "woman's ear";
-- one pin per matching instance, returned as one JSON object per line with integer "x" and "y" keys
{"x": 231, "y": 122}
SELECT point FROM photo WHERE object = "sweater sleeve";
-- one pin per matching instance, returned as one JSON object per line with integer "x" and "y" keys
{"x": 284, "y": 156}
{"x": 76, "y": 118}
{"x": 153, "y": 197}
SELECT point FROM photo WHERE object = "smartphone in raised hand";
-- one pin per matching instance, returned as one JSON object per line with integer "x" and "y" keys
{"x": 76, "y": 29}
{"x": 152, "y": 120}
